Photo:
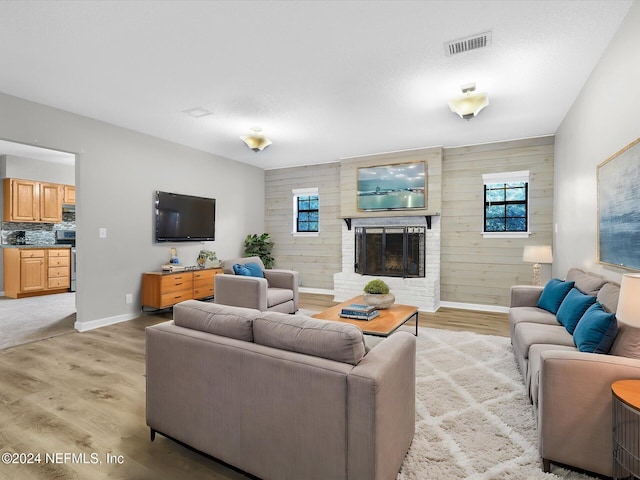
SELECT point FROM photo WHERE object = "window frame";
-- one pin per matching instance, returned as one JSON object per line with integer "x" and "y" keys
{"x": 505, "y": 178}
{"x": 304, "y": 192}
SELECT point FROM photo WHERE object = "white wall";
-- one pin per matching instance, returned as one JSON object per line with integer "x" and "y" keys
{"x": 117, "y": 173}
{"x": 603, "y": 119}
{"x": 31, "y": 169}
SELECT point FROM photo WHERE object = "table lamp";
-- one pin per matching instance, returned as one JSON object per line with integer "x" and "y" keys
{"x": 628, "y": 310}
{"x": 537, "y": 254}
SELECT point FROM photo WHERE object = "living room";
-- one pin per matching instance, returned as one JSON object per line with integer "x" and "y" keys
{"x": 118, "y": 170}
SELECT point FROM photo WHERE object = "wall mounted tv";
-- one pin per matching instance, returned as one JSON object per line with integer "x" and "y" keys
{"x": 184, "y": 218}
{"x": 392, "y": 187}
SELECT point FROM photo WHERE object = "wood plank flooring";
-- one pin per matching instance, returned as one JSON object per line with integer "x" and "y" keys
{"x": 80, "y": 398}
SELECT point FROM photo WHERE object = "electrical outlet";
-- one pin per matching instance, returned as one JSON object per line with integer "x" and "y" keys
{"x": 102, "y": 232}
{"x": 128, "y": 298}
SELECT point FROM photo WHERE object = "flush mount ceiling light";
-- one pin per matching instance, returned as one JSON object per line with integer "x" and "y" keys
{"x": 255, "y": 140}
{"x": 470, "y": 104}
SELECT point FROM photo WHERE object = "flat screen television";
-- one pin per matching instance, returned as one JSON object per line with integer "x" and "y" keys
{"x": 392, "y": 187}
{"x": 184, "y": 218}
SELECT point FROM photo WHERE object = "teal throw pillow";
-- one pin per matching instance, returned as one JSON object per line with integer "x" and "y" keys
{"x": 248, "y": 270}
{"x": 255, "y": 269}
{"x": 553, "y": 294}
{"x": 596, "y": 330}
{"x": 573, "y": 307}
{"x": 240, "y": 269}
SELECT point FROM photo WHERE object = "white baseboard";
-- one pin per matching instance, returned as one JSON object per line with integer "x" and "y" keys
{"x": 320, "y": 291}
{"x": 475, "y": 306}
{"x": 103, "y": 322}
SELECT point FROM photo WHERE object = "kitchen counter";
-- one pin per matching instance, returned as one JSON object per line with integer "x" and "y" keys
{"x": 48, "y": 245}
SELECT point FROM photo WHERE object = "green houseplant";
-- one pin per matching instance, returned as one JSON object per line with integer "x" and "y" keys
{"x": 376, "y": 293}
{"x": 259, "y": 246}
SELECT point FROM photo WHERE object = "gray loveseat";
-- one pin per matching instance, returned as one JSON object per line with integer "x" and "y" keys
{"x": 570, "y": 389}
{"x": 281, "y": 396}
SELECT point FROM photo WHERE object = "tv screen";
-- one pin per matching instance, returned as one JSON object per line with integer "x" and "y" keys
{"x": 184, "y": 218}
{"x": 390, "y": 187}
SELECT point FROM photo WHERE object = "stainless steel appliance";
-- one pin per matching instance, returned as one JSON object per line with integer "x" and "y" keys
{"x": 68, "y": 237}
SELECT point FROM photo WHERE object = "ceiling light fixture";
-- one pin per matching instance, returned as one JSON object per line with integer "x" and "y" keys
{"x": 470, "y": 104}
{"x": 255, "y": 140}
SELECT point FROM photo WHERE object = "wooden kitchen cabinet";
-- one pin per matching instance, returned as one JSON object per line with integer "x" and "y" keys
{"x": 31, "y": 201}
{"x": 164, "y": 290}
{"x": 69, "y": 195}
{"x": 36, "y": 271}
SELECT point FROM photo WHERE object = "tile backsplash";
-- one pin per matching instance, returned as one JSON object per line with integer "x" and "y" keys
{"x": 36, "y": 233}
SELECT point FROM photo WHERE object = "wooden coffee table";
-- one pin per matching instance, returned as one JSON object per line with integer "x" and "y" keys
{"x": 387, "y": 322}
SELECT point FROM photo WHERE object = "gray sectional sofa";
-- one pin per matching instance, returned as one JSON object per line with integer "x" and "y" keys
{"x": 281, "y": 396}
{"x": 571, "y": 389}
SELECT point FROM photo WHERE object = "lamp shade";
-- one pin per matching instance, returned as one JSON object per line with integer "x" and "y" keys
{"x": 469, "y": 105}
{"x": 537, "y": 254}
{"x": 628, "y": 310}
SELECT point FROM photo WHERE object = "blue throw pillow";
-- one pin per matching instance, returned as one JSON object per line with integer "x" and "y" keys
{"x": 596, "y": 330}
{"x": 553, "y": 294}
{"x": 248, "y": 269}
{"x": 573, "y": 307}
{"x": 255, "y": 269}
{"x": 240, "y": 269}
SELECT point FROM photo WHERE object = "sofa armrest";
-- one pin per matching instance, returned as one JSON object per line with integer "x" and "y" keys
{"x": 241, "y": 291}
{"x": 525, "y": 295}
{"x": 381, "y": 408}
{"x": 575, "y": 402}
{"x": 284, "y": 279}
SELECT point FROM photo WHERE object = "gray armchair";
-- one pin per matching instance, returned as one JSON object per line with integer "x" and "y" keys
{"x": 277, "y": 291}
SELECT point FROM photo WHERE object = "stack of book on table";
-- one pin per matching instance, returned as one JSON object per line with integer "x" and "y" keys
{"x": 358, "y": 311}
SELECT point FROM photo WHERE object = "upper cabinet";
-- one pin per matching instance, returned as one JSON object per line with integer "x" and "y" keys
{"x": 69, "y": 195}
{"x": 31, "y": 201}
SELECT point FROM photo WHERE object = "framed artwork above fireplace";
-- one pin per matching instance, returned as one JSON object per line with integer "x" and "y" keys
{"x": 399, "y": 186}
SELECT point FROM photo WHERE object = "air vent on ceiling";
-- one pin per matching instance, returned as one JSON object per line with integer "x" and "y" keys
{"x": 480, "y": 40}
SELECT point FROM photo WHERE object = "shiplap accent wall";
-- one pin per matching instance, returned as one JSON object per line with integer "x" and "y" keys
{"x": 477, "y": 270}
{"x": 316, "y": 258}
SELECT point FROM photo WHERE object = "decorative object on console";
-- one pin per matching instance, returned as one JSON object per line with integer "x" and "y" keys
{"x": 255, "y": 140}
{"x": 470, "y": 104}
{"x": 376, "y": 293}
{"x": 209, "y": 255}
{"x": 618, "y": 197}
{"x": 259, "y": 246}
{"x": 537, "y": 254}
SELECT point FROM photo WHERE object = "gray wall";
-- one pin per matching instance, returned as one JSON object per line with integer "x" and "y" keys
{"x": 117, "y": 172}
{"x": 31, "y": 169}
{"x": 603, "y": 120}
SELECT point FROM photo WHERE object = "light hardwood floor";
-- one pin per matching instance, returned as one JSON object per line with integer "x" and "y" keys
{"x": 80, "y": 394}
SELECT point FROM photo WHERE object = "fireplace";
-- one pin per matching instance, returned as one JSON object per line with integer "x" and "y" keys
{"x": 390, "y": 251}
{"x": 417, "y": 283}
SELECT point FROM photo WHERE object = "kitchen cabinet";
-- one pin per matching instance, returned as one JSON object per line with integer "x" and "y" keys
{"x": 69, "y": 195}
{"x": 36, "y": 271}
{"x": 164, "y": 289}
{"x": 31, "y": 201}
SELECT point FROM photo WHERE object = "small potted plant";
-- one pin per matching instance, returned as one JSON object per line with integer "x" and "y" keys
{"x": 205, "y": 255}
{"x": 376, "y": 293}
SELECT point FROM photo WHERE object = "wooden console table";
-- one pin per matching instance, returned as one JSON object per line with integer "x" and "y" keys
{"x": 165, "y": 289}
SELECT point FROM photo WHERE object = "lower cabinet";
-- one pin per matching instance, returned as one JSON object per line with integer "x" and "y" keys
{"x": 163, "y": 290}
{"x": 36, "y": 271}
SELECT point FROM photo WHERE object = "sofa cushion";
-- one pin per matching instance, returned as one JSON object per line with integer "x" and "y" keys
{"x": 224, "y": 320}
{"x": 276, "y": 296}
{"x": 627, "y": 342}
{"x": 341, "y": 342}
{"x": 596, "y": 330}
{"x": 527, "y": 334}
{"x": 608, "y": 296}
{"x": 553, "y": 294}
{"x": 587, "y": 283}
{"x": 573, "y": 307}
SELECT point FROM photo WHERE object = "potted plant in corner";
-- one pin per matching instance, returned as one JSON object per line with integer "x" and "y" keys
{"x": 376, "y": 293}
{"x": 259, "y": 246}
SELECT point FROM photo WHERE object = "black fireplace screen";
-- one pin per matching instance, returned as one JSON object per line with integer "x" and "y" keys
{"x": 390, "y": 251}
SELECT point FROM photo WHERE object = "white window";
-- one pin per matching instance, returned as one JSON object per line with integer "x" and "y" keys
{"x": 306, "y": 212}
{"x": 506, "y": 205}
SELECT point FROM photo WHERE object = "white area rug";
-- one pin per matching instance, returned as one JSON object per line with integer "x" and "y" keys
{"x": 29, "y": 319}
{"x": 473, "y": 418}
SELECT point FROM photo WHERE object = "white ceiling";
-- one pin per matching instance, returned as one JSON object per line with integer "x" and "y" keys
{"x": 324, "y": 79}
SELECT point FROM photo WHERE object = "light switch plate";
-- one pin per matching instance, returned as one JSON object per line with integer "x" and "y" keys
{"x": 102, "y": 232}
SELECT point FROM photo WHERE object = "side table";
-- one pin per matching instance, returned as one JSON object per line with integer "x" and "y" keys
{"x": 626, "y": 429}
